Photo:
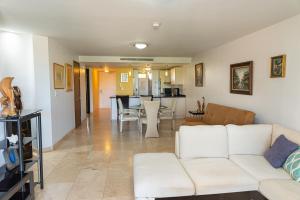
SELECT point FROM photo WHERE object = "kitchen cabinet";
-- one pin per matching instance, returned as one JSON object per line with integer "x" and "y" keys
{"x": 165, "y": 76}
{"x": 177, "y": 76}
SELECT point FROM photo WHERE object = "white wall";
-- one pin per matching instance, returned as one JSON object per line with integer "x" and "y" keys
{"x": 42, "y": 86}
{"x": 62, "y": 102}
{"x": 83, "y": 93}
{"x": 16, "y": 59}
{"x": 274, "y": 100}
{"x": 30, "y": 58}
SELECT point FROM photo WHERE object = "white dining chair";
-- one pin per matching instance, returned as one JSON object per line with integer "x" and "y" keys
{"x": 169, "y": 113}
{"x": 142, "y": 113}
{"x": 151, "y": 119}
{"x": 126, "y": 115}
{"x": 145, "y": 98}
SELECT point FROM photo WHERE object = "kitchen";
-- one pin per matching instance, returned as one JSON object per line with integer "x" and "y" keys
{"x": 162, "y": 84}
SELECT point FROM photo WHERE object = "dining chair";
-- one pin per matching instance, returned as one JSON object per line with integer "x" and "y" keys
{"x": 151, "y": 119}
{"x": 169, "y": 113}
{"x": 126, "y": 115}
{"x": 125, "y": 102}
{"x": 145, "y": 98}
{"x": 142, "y": 100}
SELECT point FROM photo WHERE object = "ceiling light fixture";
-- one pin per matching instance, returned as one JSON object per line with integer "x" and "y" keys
{"x": 156, "y": 25}
{"x": 106, "y": 69}
{"x": 140, "y": 45}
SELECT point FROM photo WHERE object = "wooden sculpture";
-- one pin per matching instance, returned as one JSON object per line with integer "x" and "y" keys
{"x": 17, "y": 98}
{"x": 7, "y": 99}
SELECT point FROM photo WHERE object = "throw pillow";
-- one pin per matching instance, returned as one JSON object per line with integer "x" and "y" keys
{"x": 292, "y": 165}
{"x": 280, "y": 151}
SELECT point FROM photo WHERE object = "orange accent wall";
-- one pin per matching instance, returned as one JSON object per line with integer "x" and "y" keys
{"x": 95, "y": 79}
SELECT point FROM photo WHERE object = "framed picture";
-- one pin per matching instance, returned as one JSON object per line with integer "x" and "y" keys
{"x": 59, "y": 76}
{"x": 241, "y": 78}
{"x": 69, "y": 80}
{"x": 278, "y": 66}
{"x": 124, "y": 77}
{"x": 199, "y": 75}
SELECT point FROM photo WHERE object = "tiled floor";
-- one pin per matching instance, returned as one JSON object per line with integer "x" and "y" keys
{"x": 95, "y": 160}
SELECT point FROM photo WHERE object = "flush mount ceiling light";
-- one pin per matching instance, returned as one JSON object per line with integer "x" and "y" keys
{"x": 140, "y": 45}
{"x": 156, "y": 25}
{"x": 106, "y": 69}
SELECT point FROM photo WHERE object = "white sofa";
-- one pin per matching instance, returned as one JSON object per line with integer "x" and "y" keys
{"x": 216, "y": 160}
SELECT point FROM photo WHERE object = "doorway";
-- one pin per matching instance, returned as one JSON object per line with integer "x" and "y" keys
{"x": 107, "y": 88}
{"x": 88, "y": 94}
{"x": 77, "y": 101}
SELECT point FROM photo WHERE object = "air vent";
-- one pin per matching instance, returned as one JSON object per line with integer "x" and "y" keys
{"x": 138, "y": 59}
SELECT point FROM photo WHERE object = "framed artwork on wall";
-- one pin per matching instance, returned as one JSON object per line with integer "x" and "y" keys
{"x": 69, "y": 79}
{"x": 278, "y": 66}
{"x": 124, "y": 77}
{"x": 241, "y": 78}
{"x": 199, "y": 75}
{"x": 59, "y": 76}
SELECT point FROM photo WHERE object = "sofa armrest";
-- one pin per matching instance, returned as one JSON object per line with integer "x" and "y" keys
{"x": 202, "y": 141}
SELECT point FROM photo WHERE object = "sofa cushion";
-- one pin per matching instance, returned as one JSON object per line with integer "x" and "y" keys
{"x": 280, "y": 189}
{"x": 259, "y": 167}
{"x": 202, "y": 141}
{"x": 249, "y": 139}
{"x": 278, "y": 130}
{"x": 218, "y": 175}
{"x": 280, "y": 151}
{"x": 160, "y": 175}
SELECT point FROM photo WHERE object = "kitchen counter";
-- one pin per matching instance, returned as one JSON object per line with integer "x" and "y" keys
{"x": 162, "y": 96}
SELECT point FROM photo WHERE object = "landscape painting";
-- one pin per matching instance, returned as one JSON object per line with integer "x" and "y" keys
{"x": 278, "y": 65}
{"x": 241, "y": 78}
{"x": 199, "y": 75}
{"x": 59, "y": 76}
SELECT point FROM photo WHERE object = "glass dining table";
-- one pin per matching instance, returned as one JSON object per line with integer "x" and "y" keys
{"x": 141, "y": 107}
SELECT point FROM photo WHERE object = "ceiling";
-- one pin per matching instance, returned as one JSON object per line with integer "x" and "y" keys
{"x": 106, "y": 27}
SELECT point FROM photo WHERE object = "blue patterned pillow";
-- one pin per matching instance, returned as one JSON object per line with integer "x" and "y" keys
{"x": 292, "y": 165}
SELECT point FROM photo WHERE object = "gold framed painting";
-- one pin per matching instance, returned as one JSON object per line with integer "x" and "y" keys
{"x": 278, "y": 66}
{"x": 59, "y": 76}
{"x": 69, "y": 80}
{"x": 199, "y": 69}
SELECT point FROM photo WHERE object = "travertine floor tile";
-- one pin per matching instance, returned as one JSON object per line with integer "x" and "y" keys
{"x": 96, "y": 162}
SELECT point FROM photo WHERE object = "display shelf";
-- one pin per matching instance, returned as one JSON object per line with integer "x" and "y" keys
{"x": 27, "y": 140}
{"x": 17, "y": 187}
{"x": 30, "y": 162}
{"x": 23, "y": 195}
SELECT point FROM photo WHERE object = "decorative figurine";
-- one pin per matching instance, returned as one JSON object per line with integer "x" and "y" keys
{"x": 11, "y": 154}
{"x": 17, "y": 97}
{"x": 7, "y": 99}
{"x": 199, "y": 106}
{"x": 203, "y": 105}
